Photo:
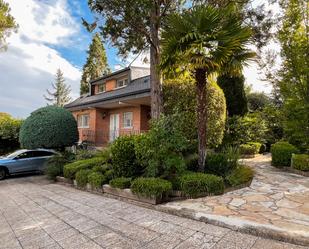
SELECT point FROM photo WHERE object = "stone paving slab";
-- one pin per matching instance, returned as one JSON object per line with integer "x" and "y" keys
{"x": 37, "y": 214}
{"x": 275, "y": 205}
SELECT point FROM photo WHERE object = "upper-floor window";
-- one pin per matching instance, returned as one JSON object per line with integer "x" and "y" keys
{"x": 121, "y": 82}
{"x": 128, "y": 120}
{"x": 83, "y": 121}
{"x": 102, "y": 88}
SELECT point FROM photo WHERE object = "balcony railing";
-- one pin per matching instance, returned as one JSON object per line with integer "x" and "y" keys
{"x": 103, "y": 137}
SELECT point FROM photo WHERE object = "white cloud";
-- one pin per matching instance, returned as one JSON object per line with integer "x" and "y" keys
{"x": 27, "y": 68}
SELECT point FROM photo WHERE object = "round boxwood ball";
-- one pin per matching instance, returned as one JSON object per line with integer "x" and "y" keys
{"x": 49, "y": 127}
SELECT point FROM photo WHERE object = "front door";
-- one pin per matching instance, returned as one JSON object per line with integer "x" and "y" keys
{"x": 113, "y": 127}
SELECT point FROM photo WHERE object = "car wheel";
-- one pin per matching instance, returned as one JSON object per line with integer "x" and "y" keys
{"x": 2, "y": 173}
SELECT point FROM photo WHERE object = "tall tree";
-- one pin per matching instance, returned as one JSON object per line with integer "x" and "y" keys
{"x": 293, "y": 77}
{"x": 60, "y": 95}
{"x": 134, "y": 26}
{"x": 202, "y": 40}
{"x": 7, "y": 23}
{"x": 96, "y": 64}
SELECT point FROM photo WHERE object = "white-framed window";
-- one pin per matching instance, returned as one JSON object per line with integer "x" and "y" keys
{"x": 83, "y": 121}
{"x": 128, "y": 120}
{"x": 102, "y": 88}
{"x": 122, "y": 82}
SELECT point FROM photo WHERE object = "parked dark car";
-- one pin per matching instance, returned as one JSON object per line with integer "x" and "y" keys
{"x": 24, "y": 161}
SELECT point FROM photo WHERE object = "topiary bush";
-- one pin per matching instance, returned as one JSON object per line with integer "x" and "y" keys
{"x": 256, "y": 145}
{"x": 281, "y": 154}
{"x": 240, "y": 175}
{"x": 71, "y": 169}
{"x": 196, "y": 184}
{"x": 151, "y": 187}
{"x": 300, "y": 162}
{"x": 247, "y": 149}
{"x": 124, "y": 161}
{"x": 121, "y": 182}
{"x": 49, "y": 127}
{"x": 96, "y": 179}
{"x": 82, "y": 177}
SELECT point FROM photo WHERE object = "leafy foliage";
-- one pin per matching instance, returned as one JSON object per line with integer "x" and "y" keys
{"x": 222, "y": 163}
{"x": 240, "y": 175}
{"x": 233, "y": 88}
{"x": 82, "y": 177}
{"x": 56, "y": 163}
{"x": 257, "y": 101}
{"x": 71, "y": 169}
{"x": 281, "y": 154}
{"x": 96, "y": 64}
{"x": 61, "y": 94}
{"x": 196, "y": 184}
{"x": 160, "y": 150}
{"x": 241, "y": 130}
{"x": 180, "y": 99}
{"x": 9, "y": 133}
{"x": 121, "y": 182}
{"x": 48, "y": 127}
{"x": 151, "y": 187}
{"x": 124, "y": 161}
{"x": 250, "y": 148}
{"x": 300, "y": 162}
{"x": 7, "y": 23}
{"x": 96, "y": 179}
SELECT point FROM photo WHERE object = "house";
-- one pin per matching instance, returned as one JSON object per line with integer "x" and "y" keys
{"x": 117, "y": 104}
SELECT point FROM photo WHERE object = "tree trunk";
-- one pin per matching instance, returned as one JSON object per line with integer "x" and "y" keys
{"x": 155, "y": 74}
{"x": 201, "y": 90}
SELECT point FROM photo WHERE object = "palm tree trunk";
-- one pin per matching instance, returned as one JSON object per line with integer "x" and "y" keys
{"x": 201, "y": 88}
{"x": 155, "y": 74}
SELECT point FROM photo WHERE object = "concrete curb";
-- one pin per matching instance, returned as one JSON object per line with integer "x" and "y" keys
{"x": 236, "y": 224}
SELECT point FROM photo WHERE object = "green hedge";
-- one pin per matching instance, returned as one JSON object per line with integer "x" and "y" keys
{"x": 82, "y": 177}
{"x": 250, "y": 148}
{"x": 96, "y": 179}
{"x": 151, "y": 187}
{"x": 281, "y": 153}
{"x": 300, "y": 162}
{"x": 240, "y": 175}
{"x": 71, "y": 169}
{"x": 121, "y": 182}
{"x": 195, "y": 184}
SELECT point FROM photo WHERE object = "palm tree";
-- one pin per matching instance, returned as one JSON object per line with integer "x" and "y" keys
{"x": 202, "y": 40}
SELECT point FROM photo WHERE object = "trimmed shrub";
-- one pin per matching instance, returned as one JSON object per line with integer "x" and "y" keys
{"x": 82, "y": 177}
{"x": 300, "y": 162}
{"x": 217, "y": 163}
{"x": 196, "y": 184}
{"x": 247, "y": 149}
{"x": 100, "y": 168}
{"x": 256, "y": 145}
{"x": 109, "y": 174}
{"x": 281, "y": 154}
{"x": 123, "y": 157}
{"x": 120, "y": 182}
{"x": 96, "y": 179}
{"x": 192, "y": 162}
{"x": 151, "y": 187}
{"x": 240, "y": 175}
{"x": 70, "y": 169}
{"x": 49, "y": 127}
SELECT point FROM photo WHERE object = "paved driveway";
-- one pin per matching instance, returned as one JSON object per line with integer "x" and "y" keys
{"x": 37, "y": 214}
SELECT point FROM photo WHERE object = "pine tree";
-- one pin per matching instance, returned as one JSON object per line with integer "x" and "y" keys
{"x": 60, "y": 95}
{"x": 96, "y": 64}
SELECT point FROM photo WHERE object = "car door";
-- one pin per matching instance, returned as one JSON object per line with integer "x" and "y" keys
{"x": 40, "y": 159}
{"x": 21, "y": 163}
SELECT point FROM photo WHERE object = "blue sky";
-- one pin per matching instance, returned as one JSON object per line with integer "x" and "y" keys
{"x": 51, "y": 36}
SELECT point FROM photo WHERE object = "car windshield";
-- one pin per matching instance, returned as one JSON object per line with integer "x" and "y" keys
{"x": 15, "y": 154}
